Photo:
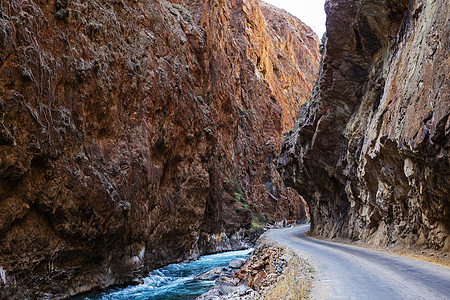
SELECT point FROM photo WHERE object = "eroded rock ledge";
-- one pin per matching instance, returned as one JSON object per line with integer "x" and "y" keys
{"x": 369, "y": 151}
{"x": 138, "y": 133}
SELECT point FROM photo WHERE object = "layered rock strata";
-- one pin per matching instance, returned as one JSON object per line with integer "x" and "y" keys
{"x": 138, "y": 133}
{"x": 369, "y": 151}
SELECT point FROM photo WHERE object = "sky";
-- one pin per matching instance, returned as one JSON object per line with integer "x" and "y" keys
{"x": 311, "y": 12}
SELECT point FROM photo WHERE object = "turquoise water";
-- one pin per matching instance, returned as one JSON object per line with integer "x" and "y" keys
{"x": 175, "y": 281}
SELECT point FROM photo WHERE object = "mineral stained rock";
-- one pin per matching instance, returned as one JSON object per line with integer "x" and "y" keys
{"x": 138, "y": 133}
{"x": 369, "y": 151}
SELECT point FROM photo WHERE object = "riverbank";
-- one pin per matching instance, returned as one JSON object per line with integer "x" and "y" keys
{"x": 273, "y": 271}
{"x": 174, "y": 281}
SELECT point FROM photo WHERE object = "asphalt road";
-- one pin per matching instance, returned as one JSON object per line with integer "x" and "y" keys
{"x": 349, "y": 272}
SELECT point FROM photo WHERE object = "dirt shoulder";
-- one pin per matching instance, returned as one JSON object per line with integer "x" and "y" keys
{"x": 429, "y": 255}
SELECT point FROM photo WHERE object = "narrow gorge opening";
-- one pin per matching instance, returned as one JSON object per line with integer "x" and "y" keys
{"x": 136, "y": 135}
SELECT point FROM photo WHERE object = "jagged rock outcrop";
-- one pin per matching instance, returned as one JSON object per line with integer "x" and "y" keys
{"x": 138, "y": 133}
{"x": 369, "y": 152}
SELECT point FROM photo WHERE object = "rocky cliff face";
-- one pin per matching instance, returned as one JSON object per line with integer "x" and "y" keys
{"x": 369, "y": 152}
{"x": 138, "y": 133}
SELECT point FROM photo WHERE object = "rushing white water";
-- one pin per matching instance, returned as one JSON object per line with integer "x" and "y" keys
{"x": 2, "y": 276}
{"x": 175, "y": 281}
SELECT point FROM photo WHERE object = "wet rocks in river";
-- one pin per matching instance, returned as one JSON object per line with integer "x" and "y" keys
{"x": 236, "y": 263}
{"x": 210, "y": 275}
{"x": 255, "y": 277}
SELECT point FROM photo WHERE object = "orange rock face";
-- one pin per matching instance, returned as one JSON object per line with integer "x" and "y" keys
{"x": 138, "y": 133}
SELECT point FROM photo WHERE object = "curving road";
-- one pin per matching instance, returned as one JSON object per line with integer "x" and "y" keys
{"x": 349, "y": 272}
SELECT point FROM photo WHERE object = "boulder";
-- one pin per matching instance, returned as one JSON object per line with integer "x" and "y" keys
{"x": 210, "y": 275}
{"x": 236, "y": 263}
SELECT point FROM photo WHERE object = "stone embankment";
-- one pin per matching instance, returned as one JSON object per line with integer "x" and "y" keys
{"x": 272, "y": 272}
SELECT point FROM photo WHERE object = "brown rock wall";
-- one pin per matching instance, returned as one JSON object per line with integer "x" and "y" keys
{"x": 369, "y": 152}
{"x": 133, "y": 133}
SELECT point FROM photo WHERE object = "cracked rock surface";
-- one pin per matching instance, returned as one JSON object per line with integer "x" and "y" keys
{"x": 369, "y": 152}
{"x": 134, "y": 134}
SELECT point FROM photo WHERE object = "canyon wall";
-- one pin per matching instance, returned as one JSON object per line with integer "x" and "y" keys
{"x": 135, "y": 133}
{"x": 369, "y": 151}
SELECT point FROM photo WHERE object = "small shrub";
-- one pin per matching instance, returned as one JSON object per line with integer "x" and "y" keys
{"x": 238, "y": 191}
{"x": 186, "y": 16}
{"x": 245, "y": 206}
{"x": 184, "y": 13}
{"x": 80, "y": 72}
{"x": 172, "y": 11}
{"x": 60, "y": 4}
{"x": 389, "y": 220}
{"x": 323, "y": 42}
{"x": 62, "y": 13}
{"x": 260, "y": 219}
{"x": 125, "y": 205}
{"x": 15, "y": 20}
{"x": 208, "y": 131}
{"x": 238, "y": 196}
{"x": 95, "y": 27}
{"x": 62, "y": 9}
{"x": 27, "y": 74}
{"x": 256, "y": 224}
{"x": 287, "y": 133}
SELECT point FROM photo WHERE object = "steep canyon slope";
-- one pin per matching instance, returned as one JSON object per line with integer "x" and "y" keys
{"x": 369, "y": 151}
{"x": 134, "y": 133}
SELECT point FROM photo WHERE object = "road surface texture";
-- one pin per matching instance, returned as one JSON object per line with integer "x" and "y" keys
{"x": 349, "y": 272}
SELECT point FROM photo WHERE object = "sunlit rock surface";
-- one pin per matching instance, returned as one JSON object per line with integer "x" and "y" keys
{"x": 369, "y": 152}
{"x": 138, "y": 133}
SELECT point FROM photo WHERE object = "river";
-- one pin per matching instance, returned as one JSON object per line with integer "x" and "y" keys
{"x": 175, "y": 281}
